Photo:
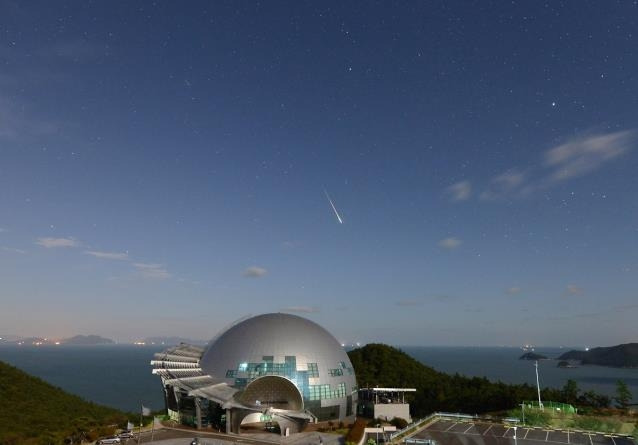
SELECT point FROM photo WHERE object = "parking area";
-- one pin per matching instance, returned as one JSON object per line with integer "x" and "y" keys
{"x": 451, "y": 432}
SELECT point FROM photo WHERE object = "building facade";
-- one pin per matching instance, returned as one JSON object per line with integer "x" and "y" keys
{"x": 272, "y": 368}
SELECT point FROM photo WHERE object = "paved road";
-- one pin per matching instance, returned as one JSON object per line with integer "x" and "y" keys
{"x": 177, "y": 436}
{"x": 449, "y": 432}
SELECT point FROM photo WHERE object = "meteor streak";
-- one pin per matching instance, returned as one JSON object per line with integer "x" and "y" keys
{"x": 333, "y": 207}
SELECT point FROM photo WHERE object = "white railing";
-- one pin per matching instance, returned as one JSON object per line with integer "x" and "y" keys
{"x": 416, "y": 424}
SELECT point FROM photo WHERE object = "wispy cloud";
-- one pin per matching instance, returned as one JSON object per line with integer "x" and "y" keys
{"x": 572, "y": 289}
{"x": 574, "y": 158}
{"x": 108, "y": 255}
{"x": 17, "y": 124}
{"x": 514, "y": 290}
{"x": 57, "y": 242}
{"x": 505, "y": 185}
{"x": 301, "y": 309}
{"x": 450, "y": 243}
{"x": 584, "y": 155}
{"x": 13, "y": 250}
{"x": 460, "y": 191}
{"x": 410, "y": 302}
{"x": 255, "y": 272}
{"x": 75, "y": 50}
{"x": 152, "y": 270}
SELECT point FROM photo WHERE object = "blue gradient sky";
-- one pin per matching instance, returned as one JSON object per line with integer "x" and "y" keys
{"x": 162, "y": 169}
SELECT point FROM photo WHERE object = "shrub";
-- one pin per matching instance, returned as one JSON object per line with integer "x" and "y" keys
{"x": 357, "y": 431}
{"x": 399, "y": 422}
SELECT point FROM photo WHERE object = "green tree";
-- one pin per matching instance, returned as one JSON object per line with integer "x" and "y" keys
{"x": 570, "y": 391}
{"x": 623, "y": 395}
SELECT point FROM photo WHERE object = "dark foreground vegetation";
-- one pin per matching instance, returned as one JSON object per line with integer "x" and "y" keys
{"x": 37, "y": 413}
{"x": 383, "y": 365}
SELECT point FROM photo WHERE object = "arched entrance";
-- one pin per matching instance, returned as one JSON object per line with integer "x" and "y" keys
{"x": 272, "y": 391}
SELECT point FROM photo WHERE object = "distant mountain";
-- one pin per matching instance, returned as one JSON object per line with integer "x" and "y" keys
{"x": 28, "y": 341}
{"x": 532, "y": 356}
{"x": 8, "y": 338}
{"x": 620, "y": 356}
{"x": 87, "y": 340}
{"x": 172, "y": 341}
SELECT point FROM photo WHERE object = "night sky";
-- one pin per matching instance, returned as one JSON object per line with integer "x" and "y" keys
{"x": 169, "y": 167}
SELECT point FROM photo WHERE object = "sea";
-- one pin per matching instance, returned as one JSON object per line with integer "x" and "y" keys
{"x": 120, "y": 375}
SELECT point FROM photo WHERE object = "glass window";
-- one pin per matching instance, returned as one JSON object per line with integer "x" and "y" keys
{"x": 313, "y": 370}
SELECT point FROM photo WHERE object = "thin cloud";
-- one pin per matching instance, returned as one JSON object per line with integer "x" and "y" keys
{"x": 50, "y": 243}
{"x": 577, "y": 157}
{"x": 409, "y": 302}
{"x": 450, "y": 243}
{"x": 13, "y": 250}
{"x": 504, "y": 185}
{"x": 16, "y": 124}
{"x": 255, "y": 272}
{"x": 584, "y": 155}
{"x": 74, "y": 50}
{"x": 514, "y": 290}
{"x": 108, "y": 255}
{"x": 461, "y": 191}
{"x": 301, "y": 309}
{"x": 152, "y": 270}
{"x": 572, "y": 289}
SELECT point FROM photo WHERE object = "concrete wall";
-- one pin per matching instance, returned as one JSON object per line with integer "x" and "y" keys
{"x": 389, "y": 411}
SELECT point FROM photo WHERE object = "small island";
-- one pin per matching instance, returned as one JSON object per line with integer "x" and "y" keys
{"x": 620, "y": 356}
{"x": 565, "y": 364}
{"x": 87, "y": 340}
{"x": 532, "y": 356}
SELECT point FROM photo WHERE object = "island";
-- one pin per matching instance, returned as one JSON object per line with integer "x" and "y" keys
{"x": 565, "y": 364}
{"x": 87, "y": 340}
{"x": 532, "y": 356}
{"x": 620, "y": 356}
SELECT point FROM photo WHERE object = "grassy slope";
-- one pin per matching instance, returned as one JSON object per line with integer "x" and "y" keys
{"x": 33, "y": 410}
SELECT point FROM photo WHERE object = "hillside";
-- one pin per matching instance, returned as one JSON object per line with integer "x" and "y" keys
{"x": 622, "y": 356}
{"x": 36, "y": 412}
{"x": 382, "y": 365}
{"x": 87, "y": 340}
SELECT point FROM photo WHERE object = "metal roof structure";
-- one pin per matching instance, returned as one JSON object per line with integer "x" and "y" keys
{"x": 272, "y": 349}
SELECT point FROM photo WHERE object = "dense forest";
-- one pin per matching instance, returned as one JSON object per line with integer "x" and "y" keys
{"x": 35, "y": 412}
{"x": 383, "y": 365}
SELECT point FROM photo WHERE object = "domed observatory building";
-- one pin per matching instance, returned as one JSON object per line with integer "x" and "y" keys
{"x": 270, "y": 368}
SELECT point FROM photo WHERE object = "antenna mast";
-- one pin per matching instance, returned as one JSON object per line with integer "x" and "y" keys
{"x": 538, "y": 387}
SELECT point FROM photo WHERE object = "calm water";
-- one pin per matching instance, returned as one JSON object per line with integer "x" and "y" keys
{"x": 503, "y": 364}
{"x": 120, "y": 375}
{"x": 113, "y": 375}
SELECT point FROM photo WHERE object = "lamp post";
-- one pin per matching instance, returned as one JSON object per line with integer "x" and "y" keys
{"x": 378, "y": 425}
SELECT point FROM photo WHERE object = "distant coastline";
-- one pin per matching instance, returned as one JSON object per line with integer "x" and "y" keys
{"x": 620, "y": 356}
